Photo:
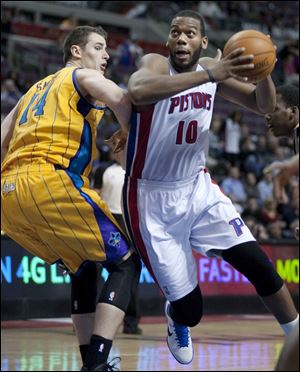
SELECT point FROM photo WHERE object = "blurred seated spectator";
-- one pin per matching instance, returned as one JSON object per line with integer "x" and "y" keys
{"x": 128, "y": 56}
{"x": 68, "y": 23}
{"x": 274, "y": 230}
{"x": 265, "y": 188}
{"x": 250, "y": 185}
{"x": 233, "y": 186}
{"x": 211, "y": 12}
{"x": 257, "y": 229}
{"x": 251, "y": 208}
{"x": 10, "y": 95}
{"x": 269, "y": 213}
{"x": 216, "y": 143}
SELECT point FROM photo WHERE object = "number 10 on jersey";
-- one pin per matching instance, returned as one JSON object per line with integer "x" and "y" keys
{"x": 187, "y": 133}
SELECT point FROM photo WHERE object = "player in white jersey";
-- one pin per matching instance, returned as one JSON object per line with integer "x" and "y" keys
{"x": 284, "y": 121}
{"x": 171, "y": 205}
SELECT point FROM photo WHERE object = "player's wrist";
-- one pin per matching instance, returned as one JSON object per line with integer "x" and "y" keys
{"x": 210, "y": 75}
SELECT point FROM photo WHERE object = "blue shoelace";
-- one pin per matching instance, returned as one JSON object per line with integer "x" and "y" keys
{"x": 182, "y": 335}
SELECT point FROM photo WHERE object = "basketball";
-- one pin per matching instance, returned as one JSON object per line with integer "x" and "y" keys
{"x": 258, "y": 44}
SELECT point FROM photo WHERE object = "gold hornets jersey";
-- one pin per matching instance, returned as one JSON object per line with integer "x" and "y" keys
{"x": 55, "y": 124}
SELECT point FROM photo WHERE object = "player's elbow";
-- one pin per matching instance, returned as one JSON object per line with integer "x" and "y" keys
{"x": 136, "y": 94}
{"x": 267, "y": 107}
{"x": 119, "y": 98}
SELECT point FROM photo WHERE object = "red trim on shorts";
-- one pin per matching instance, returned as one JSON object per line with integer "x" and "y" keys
{"x": 142, "y": 142}
{"x": 135, "y": 222}
{"x": 213, "y": 181}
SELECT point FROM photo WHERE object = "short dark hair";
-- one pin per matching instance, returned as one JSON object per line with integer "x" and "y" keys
{"x": 192, "y": 14}
{"x": 289, "y": 94}
{"x": 79, "y": 36}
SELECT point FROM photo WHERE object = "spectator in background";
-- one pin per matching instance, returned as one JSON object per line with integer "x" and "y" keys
{"x": 259, "y": 231}
{"x": 234, "y": 188}
{"x": 251, "y": 208}
{"x": 211, "y": 12}
{"x": 128, "y": 56}
{"x": 69, "y": 23}
{"x": 232, "y": 137}
{"x": 269, "y": 213}
{"x": 274, "y": 230}
{"x": 10, "y": 95}
{"x": 250, "y": 185}
{"x": 265, "y": 188}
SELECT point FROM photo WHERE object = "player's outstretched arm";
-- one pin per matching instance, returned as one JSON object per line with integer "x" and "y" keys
{"x": 94, "y": 84}
{"x": 283, "y": 172}
{"x": 152, "y": 82}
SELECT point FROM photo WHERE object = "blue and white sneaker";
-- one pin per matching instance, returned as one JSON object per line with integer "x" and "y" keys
{"x": 179, "y": 340}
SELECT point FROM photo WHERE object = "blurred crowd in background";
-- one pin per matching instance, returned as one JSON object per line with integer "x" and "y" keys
{"x": 240, "y": 144}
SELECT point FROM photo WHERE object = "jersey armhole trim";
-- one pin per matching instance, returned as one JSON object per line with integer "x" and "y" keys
{"x": 81, "y": 95}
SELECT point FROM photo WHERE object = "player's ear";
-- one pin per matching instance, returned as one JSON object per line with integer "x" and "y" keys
{"x": 76, "y": 51}
{"x": 294, "y": 111}
{"x": 204, "y": 42}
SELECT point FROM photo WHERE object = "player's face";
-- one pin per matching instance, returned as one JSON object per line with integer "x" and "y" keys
{"x": 282, "y": 121}
{"x": 94, "y": 54}
{"x": 185, "y": 43}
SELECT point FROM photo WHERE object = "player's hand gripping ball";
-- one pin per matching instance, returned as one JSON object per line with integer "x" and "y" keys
{"x": 258, "y": 44}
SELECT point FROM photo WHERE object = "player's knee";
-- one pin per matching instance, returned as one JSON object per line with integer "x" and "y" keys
{"x": 122, "y": 282}
{"x": 84, "y": 289}
{"x": 189, "y": 309}
{"x": 249, "y": 259}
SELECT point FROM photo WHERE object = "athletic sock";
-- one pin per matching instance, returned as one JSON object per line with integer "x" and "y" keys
{"x": 288, "y": 327}
{"x": 83, "y": 351}
{"x": 98, "y": 351}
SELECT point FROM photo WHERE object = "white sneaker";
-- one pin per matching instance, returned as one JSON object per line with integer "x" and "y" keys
{"x": 179, "y": 340}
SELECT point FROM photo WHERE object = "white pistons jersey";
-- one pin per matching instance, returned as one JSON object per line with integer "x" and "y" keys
{"x": 171, "y": 205}
{"x": 170, "y": 141}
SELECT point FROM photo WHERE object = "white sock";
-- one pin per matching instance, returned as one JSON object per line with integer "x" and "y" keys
{"x": 288, "y": 327}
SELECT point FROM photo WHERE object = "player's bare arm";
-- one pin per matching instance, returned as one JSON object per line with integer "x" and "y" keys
{"x": 7, "y": 128}
{"x": 152, "y": 82}
{"x": 95, "y": 85}
{"x": 260, "y": 98}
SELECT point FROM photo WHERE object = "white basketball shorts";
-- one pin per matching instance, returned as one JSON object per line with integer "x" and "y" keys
{"x": 167, "y": 220}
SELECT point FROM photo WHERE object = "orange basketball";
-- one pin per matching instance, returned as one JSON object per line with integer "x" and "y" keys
{"x": 258, "y": 44}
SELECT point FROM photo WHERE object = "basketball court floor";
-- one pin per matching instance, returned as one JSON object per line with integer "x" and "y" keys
{"x": 221, "y": 343}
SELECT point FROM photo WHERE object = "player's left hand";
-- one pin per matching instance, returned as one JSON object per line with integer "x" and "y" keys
{"x": 118, "y": 140}
{"x": 281, "y": 176}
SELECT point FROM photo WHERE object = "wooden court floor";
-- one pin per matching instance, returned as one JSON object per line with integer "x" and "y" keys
{"x": 221, "y": 343}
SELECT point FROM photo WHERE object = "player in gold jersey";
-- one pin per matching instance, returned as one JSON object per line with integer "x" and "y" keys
{"x": 47, "y": 148}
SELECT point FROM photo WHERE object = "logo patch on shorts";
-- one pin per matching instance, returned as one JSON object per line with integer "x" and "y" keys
{"x": 8, "y": 187}
{"x": 115, "y": 239}
{"x": 111, "y": 296}
{"x": 237, "y": 224}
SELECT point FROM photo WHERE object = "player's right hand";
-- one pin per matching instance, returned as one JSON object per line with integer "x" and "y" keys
{"x": 118, "y": 140}
{"x": 231, "y": 65}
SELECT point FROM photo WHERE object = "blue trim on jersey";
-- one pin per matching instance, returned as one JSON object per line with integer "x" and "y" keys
{"x": 84, "y": 154}
{"x": 131, "y": 142}
{"x": 115, "y": 244}
{"x": 88, "y": 104}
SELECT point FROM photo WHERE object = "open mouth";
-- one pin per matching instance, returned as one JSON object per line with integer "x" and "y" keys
{"x": 103, "y": 67}
{"x": 182, "y": 54}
